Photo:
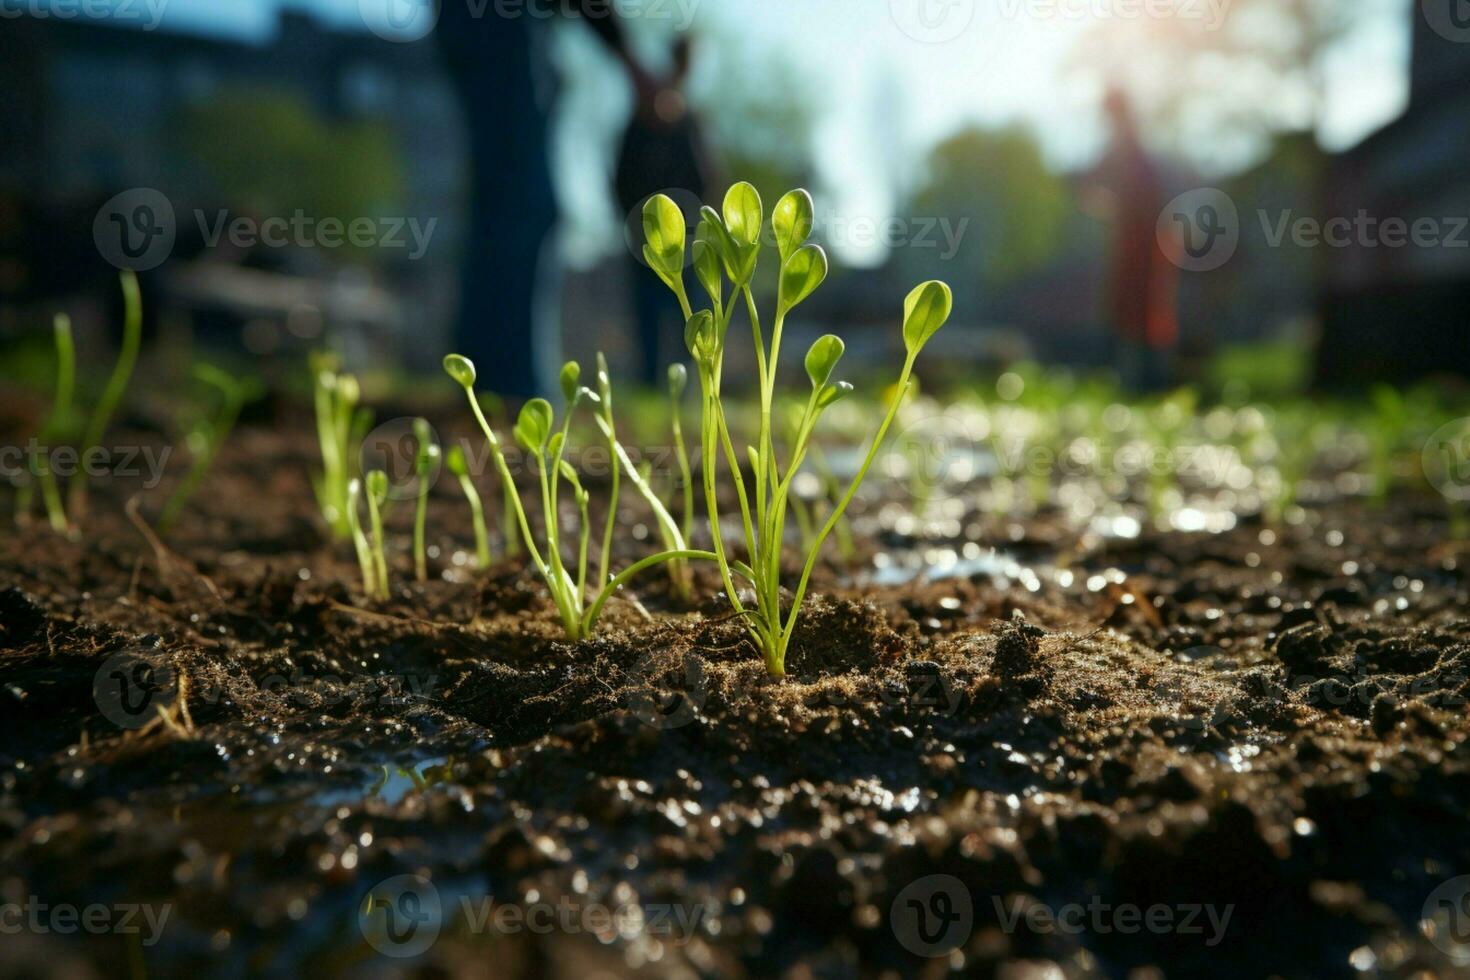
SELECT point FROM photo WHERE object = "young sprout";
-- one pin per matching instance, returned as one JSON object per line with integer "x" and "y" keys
{"x": 117, "y": 383}
{"x": 729, "y": 242}
{"x": 340, "y": 426}
{"x": 455, "y": 460}
{"x": 377, "y": 501}
{"x": 1386, "y": 428}
{"x": 537, "y": 432}
{"x": 207, "y": 436}
{"x": 56, "y": 425}
{"x": 678, "y": 381}
{"x": 425, "y": 464}
{"x": 359, "y": 540}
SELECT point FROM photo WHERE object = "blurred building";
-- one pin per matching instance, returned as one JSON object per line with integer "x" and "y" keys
{"x": 1399, "y": 311}
{"x": 90, "y": 108}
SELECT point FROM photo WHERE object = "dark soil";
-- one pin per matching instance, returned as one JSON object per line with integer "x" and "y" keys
{"x": 1254, "y": 743}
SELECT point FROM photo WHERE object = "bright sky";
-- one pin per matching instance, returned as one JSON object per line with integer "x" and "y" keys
{"x": 892, "y": 77}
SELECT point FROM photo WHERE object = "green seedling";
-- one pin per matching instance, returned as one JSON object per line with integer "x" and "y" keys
{"x": 455, "y": 460}
{"x": 56, "y": 426}
{"x": 360, "y": 542}
{"x": 1296, "y": 436}
{"x": 727, "y": 247}
{"x": 377, "y": 501}
{"x": 117, "y": 384}
{"x": 425, "y": 462}
{"x": 678, "y": 381}
{"x": 340, "y": 426}
{"x": 1385, "y": 430}
{"x": 538, "y": 433}
{"x": 207, "y": 436}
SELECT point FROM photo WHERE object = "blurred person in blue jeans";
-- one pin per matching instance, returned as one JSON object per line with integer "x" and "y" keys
{"x": 499, "y": 64}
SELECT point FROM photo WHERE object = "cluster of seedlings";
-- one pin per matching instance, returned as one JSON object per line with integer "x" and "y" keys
{"x": 575, "y": 567}
{"x": 1031, "y": 414}
{"x": 205, "y": 430}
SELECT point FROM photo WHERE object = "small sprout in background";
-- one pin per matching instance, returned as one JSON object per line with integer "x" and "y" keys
{"x": 510, "y": 536}
{"x": 455, "y": 460}
{"x": 678, "y": 381}
{"x": 117, "y": 385}
{"x": 377, "y": 501}
{"x": 425, "y": 467}
{"x": 56, "y": 426}
{"x": 604, "y": 406}
{"x": 1296, "y": 437}
{"x": 341, "y": 424}
{"x": 207, "y": 435}
{"x": 1385, "y": 429}
{"x": 537, "y": 433}
{"x": 360, "y": 541}
{"x": 734, "y": 237}
{"x": 668, "y": 531}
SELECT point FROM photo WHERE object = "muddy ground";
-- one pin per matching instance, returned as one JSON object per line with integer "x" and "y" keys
{"x": 1230, "y": 755}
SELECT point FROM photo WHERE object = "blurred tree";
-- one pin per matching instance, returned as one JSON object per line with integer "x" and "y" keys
{"x": 1214, "y": 85}
{"x": 268, "y": 153}
{"x": 1017, "y": 209}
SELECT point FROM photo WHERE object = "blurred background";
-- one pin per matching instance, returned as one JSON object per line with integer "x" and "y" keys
{"x": 1179, "y": 191}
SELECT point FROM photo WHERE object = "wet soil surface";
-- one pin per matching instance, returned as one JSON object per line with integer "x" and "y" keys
{"x": 1233, "y": 755}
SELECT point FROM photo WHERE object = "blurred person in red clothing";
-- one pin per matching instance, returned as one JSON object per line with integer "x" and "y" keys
{"x": 1142, "y": 284}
